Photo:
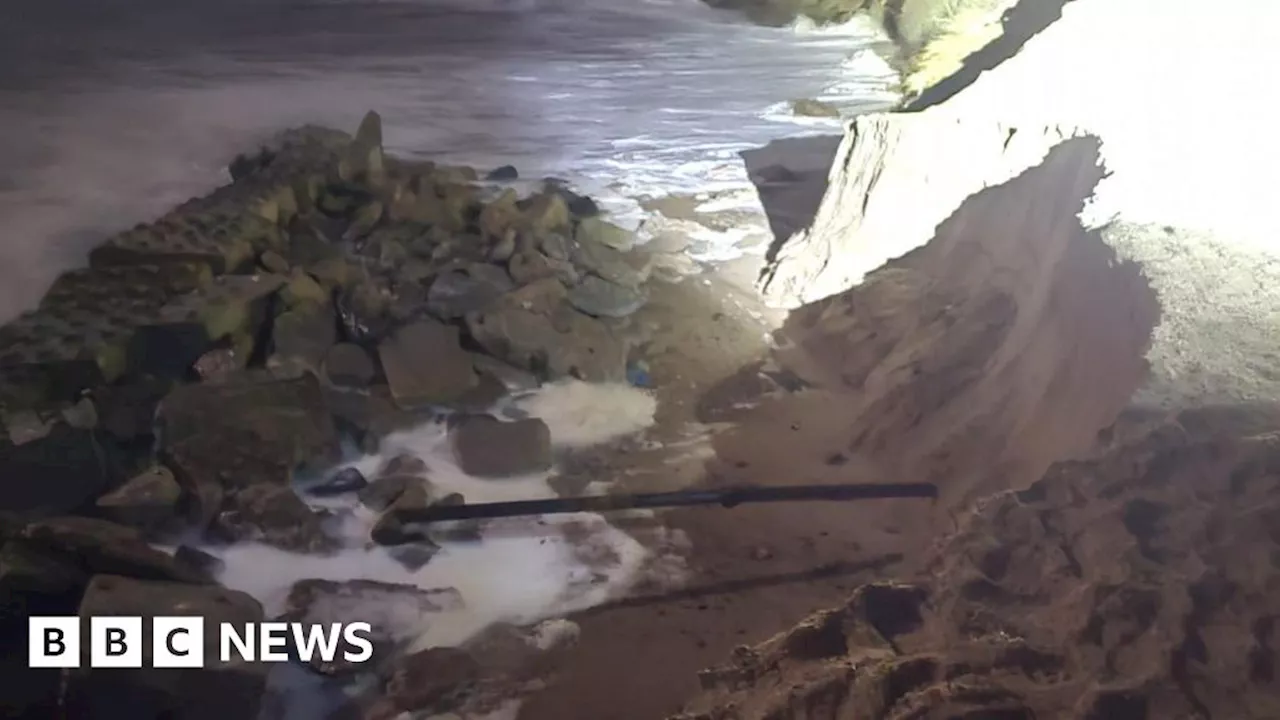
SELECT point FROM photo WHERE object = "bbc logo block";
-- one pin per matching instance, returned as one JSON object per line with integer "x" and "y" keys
{"x": 179, "y": 642}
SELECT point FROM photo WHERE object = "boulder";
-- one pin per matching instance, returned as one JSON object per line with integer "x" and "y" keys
{"x": 809, "y": 107}
{"x": 601, "y": 298}
{"x": 148, "y": 502}
{"x": 98, "y": 546}
{"x": 398, "y": 613}
{"x": 528, "y": 266}
{"x": 466, "y": 289}
{"x": 273, "y": 262}
{"x": 275, "y": 515}
{"x": 385, "y": 489}
{"x": 63, "y": 471}
{"x": 488, "y": 447}
{"x": 512, "y": 378}
{"x": 425, "y": 365}
{"x": 535, "y": 328}
{"x": 504, "y": 173}
{"x": 364, "y": 310}
{"x": 603, "y": 232}
{"x": 392, "y": 528}
{"x": 300, "y": 338}
{"x": 349, "y": 365}
{"x": 345, "y": 481}
{"x": 363, "y": 163}
{"x": 624, "y": 268}
{"x": 214, "y": 692}
{"x": 431, "y": 682}
{"x": 303, "y": 289}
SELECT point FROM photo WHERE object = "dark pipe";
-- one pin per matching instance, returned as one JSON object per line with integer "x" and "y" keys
{"x": 726, "y": 497}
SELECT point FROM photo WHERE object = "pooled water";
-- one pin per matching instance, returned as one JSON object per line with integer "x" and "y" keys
{"x": 114, "y": 110}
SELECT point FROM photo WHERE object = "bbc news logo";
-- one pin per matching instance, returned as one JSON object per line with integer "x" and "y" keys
{"x": 179, "y": 642}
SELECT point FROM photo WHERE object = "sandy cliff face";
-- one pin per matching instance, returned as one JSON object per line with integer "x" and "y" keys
{"x": 1084, "y": 360}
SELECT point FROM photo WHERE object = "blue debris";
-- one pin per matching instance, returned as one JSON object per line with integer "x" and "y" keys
{"x": 638, "y": 374}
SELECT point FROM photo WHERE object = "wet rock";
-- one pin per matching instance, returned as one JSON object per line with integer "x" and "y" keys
{"x": 83, "y": 415}
{"x": 500, "y": 215}
{"x": 212, "y": 692}
{"x": 274, "y": 262}
{"x": 398, "y": 613}
{"x": 404, "y": 464}
{"x": 814, "y": 108}
{"x": 487, "y": 447}
{"x": 369, "y": 415}
{"x": 528, "y": 266}
{"x": 275, "y": 515}
{"x": 467, "y": 289}
{"x": 502, "y": 250}
{"x": 345, "y": 481}
{"x": 506, "y": 172}
{"x": 300, "y": 340}
{"x": 602, "y": 232}
{"x": 512, "y": 378}
{"x": 393, "y": 528}
{"x": 624, "y": 268}
{"x": 601, "y": 298}
{"x": 210, "y": 565}
{"x": 487, "y": 391}
{"x": 545, "y": 213}
{"x": 363, "y": 221}
{"x": 127, "y": 411}
{"x": 363, "y": 163}
{"x": 383, "y": 491}
{"x": 245, "y": 432}
{"x": 332, "y": 273}
{"x": 534, "y": 328}
{"x": 221, "y": 363}
{"x": 349, "y": 365}
{"x": 425, "y": 365}
{"x": 303, "y": 289}
{"x": 147, "y": 502}
{"x": 364, "y": 310}
{"x": 579, "y": 205}
{"x": 99, "y": 546}
{"x": 61, "y": 472}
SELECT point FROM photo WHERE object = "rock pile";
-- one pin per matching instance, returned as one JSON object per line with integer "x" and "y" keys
{"x": 177, "y": 384}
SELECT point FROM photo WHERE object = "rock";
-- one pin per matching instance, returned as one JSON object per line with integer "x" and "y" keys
{"x": 363, "y": 221}
{"x": 545, "y": 213}
{"x": 345, "y": 481}
{"x": 528, "y": 266}
{"x": 363, "y": 162}
{"x": 232, "y": 308}
{"x": 275, "y": 515}
{"x": 383, "y": 492}
{"x": 500, "y": 215}
{"x": 596, "y": 230}
{"x": 624, "y": 268}
{"x": 580, "y": 206}
{"x": 487, "y": 447}
{"x": 99, "y": 546}
{"x": 221, "y": 363}
{"x": 599, "y": 297}
{"x": 213, "y": 692}
{"x": 64, "y": 471}
{"x": 512, "y": 378}
{"x": 467, "y": 289}
{"x": 303, "y": 289}
{"x": 369, "y": 415}
{"x": 506, "y": 172}
{"x": 127, "y": 411}
{"x": 147, "y": 502}
{"x": 425, "y": 365}
{"x": 392, "y": 529}
{"x": 404, "y": 464}
{"x": 504, "y": 248}
{"x": 250, "y": 431}
{"x": 534, "y": 328}
{"x": 348, "y": 365}
{"x": 332, "y": 273}
{"x": 301, "y": 339}
{"x": 273, "y": 262}
{"x": 210, "y": 565}
{"x": 364, "y": 311}
{"x": 814, "y": 108}
{"x": 397, "y": 612}
{"x": 82, "y": 416}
